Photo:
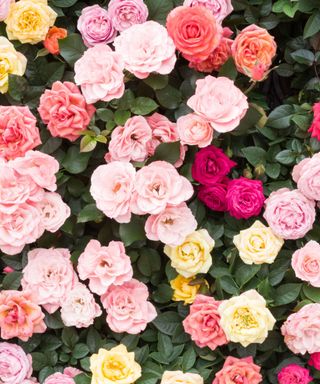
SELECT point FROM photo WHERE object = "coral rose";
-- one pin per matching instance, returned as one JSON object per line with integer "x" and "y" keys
{"x": 51, "y": 42}
{"x": 125, "y": 13}
{"x": 315, "y": 126}
{"x": 220, "y": 8}
{"x": 65, "y": 111}
{"x": 194, "y": 130}
{"x": 195, "y": 32}
{"x": 183, "y": 290}
{"x": 307, "y": 176}
{"x": 146, "y": 48}
{"x": 253, "y": 50}
{"x": 314, "y": 360}
{"x": 294, "y": 374}
{"x": 177, "y": 377}
{"x": 306, "y": 263}
{"x": 214, "y": 196}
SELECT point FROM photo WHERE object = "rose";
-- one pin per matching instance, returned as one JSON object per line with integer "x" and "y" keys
{"x": 111, "y": 187}
{"x": 99, "y": 72}
{"x": 220, "y": 102}
{"x": 172, "y": 225}
{"x": 51, "y": 42}
{"x": 314, "y": 360}
{"x": 15, "y": 365}
{"x": 125, "y": 13}
{"x": 315, "y": 126}
{"x": 220, "y": 8}
{"x": 95, "y": 25}
{"x": 245, "y": 318}
{"x": 4, "y": 8}
{"x": 214, "y": 196}
{"x": 65, "y": 111}
{"x": 307, "y": 176}
{"x": 49, "y": 276}
{"x": 79, "y": 308}
{"x": 194, "y": 130}
{"x": 19, "y": 316}
{"x": 236, "y": 371}
{"x": 289, "y": 214}
{"x": 253, "y": 50}
{"x": 104, "y": 266}
{"x": 203, "y": 323}
{"x": 158, "y": 185}
{"x": 146, "y": 48}
{"x": 29, "y": 21}
{"x": 195, "y": 32}
{"x": 14, "y": 63}
{"x": 306, "y": 263}
{"x": 177, "y": 377}
{"x": 63, "y": 378}
{"x": 258, "y": 244}
{"x": 183, "y": 290}
{"x": 127, "y": 307}
{"x": 193, "y": 255}
{"x": 294, "y": 374}
{"x": 116, "y": 365}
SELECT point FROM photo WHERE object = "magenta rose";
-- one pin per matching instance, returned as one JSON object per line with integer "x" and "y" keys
{"x": 294, "y": 374}
{"x": 211, "y": 165}
{"x": 125, "y": 13}
{"x": 314, "y": 360}
{"x": 214, "y": 196}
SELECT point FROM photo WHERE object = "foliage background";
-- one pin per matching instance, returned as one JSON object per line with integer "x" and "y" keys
{"x": 265, "y": 148}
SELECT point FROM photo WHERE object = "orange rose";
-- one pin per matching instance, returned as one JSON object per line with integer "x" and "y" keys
{"x": 195, "y": 32}
{"x": 253, "y": 51}
{"x": 51, "y": 41}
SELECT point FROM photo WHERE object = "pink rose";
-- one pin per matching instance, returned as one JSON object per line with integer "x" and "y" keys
{"x": 158, "y": 185}
{"x": 203, "y": 323}
{"x": 301, "y": 330}
{"x": 127, "y": 307}
{"x": 49, "y": 276}
{"x": 294, "y": 374}
{"x": 194, "y": 130}
{"x": 307, "y": 176}
{"x": 111, "y": 187}
{"x": 220, "y": 8}
{"x": 104, "y": 266}
{"x": 63, "y": 378}
{"x": 53, "y": 210}
{"x": 19, "y": 315}
{"x": 146, "y": 48}
{"x": 244, "y": 198}
{"x": 172, "y": 225}
{"x": 306, "y": 263}
{"x": 18, "y": 131}
{"x": 79, "y": 308}
{"x": 289, "y": 214}
{"x": 314, "y": 360}
{"x": 65, "y": 110}
{"x": 15, "y": 364}
{"x": 220, "y": 102}
{"x": 130, "y": 142}
{"x": 214, "y": 196}
{"x": 96, "y": 26}
{"x": 99, "y": 72}
{"x": 125, "y": 13}
{"x": 236, "y": 371}
{"x": 4, "y": 8}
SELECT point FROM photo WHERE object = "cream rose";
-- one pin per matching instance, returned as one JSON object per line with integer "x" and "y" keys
{"x": 178, "y": 377}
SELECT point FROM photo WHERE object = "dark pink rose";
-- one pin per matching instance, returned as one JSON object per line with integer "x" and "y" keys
{"x": 315, "y": 126}
{"x": 294, "y": 374}
{"x": 314, "y": 360}
{"x": 214, "y": 196}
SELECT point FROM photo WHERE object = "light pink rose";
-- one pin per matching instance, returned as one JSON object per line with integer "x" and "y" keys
{"x": 65, "y": 111}
{"x": 158, "y": 185}
{"x": 4, "y": 8}
{"x": 79, "y": 308}
{"x": 49, "y": 276}
{"x": 220, "y": 102}
{"x": 203, "y": 323}
{"x": 194, "y": 130}
{"x": 289, "y": 214}
{"x": 96, "y": 26}
{"x": 15, "y": 364}
{"x": 301, "y": 330}
{"x": 163, "y": 131}
{"x": 306, "y": 263}
{"x": 32, "y": 380}
{"x": 104, "y": 266}
{"x": 19, "y": 316}
{"x": 99, "y": 72}
{"x": 307, "y": 176}
{"x": 111, "y": 187}
{"x": 146, "y": 48}
{"x": 63, "y": 378}
{"x": 130, "y": 142}
{"x": 220, "y": 8}
{"x": 125, "y": 13}
{"x": 172, "y": 225}
{"x": 127, "y": 307}
{"x": 18, "y": 131}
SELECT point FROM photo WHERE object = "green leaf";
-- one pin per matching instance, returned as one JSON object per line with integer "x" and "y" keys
{"x": 54, "y": 321}
{"x": 82, "y": 379}
{"x": 104, "y": 114}
{"x": 149, "y": 261}
{"x": 74, "y": 161}
{"x": 169, "y": 152}
{"x": 167, "y": 322}
{"x": 71, "y": 48}
{"x": 17, "y": 87}
{"x": 312, "y": 293}
{"x": 303, "y": 56}
{"x": 245, "y": 273}
{"x": 286, "y": 294}
{"x": 69, "y": 337}
{"x": 280, "y": 117}
{"x": 169, "y": 97}
{"x": 156, "y": 81}
{"x": 90, "y": 213}
{"x": 158, "y": 10}
{"x": 121, "y": 116}
{"x": 273, "y": 170}
{"x": 312, "y": 26}
{"x": 44, "y": 373}
{"x": 133, "y": 231}
{"x": 94, "y": 340}
{"x": 143, "y": 106}
{"x": 229, "y": 285}
{"x": 63, "y": 3}
{"x": 286, "y": 157}
{"x": 290, "y": 9}
{"x": 39, "y": 360}
{"x": 87, "y": 144}
{"x": 255, "y": 155}
{"x": 80, "y": 350}
{"x": 188, "y": 359}
{"x": 12, "y": 281}
{"x": 229, "y": 69}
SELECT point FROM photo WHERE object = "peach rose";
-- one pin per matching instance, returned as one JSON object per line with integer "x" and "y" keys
{"x": 307, "y": 176}
{"x": 195, "y": 32}
{"x": 65, "y": 111}
{"x": 220, "y": 102}
{"x": 194, "y": 130}
{"x": 306, "y": 263}
{"x": 51, "y": 41}
{"x": 19, "y": 316}
{"x": 219, "y": 8}
{"x": 253, "y": 50}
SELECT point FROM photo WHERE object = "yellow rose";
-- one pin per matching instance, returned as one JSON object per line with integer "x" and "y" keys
{"x": 193, "y": 255}
{"x": 245, "y": 319}
{"x": 178, "y": 377}
{"x": 114, "y": 366}
{"x": 29, "y": 21}
{"x": 182, "y": 290}
{"x": 258, "y": 244}
{"x": 11, "y": 62}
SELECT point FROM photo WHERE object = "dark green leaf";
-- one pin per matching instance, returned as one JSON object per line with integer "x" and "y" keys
{"x": 143, "y": 106}
{"x": 71, "y": 48}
